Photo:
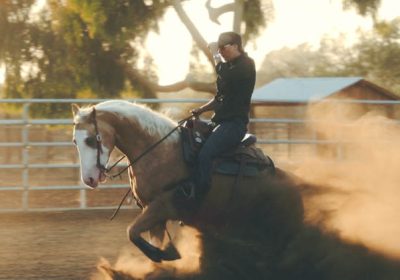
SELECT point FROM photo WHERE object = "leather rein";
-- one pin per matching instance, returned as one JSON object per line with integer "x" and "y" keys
{"x": 145, "y": 152}
{"x": 98, "y": 144}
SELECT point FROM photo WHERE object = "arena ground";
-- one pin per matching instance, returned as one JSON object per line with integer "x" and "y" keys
{"x": 60, "y": 245}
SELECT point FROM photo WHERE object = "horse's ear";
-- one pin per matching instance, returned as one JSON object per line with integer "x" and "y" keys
{"x": 92, "y": 115}
{"x": 75, "y": 109}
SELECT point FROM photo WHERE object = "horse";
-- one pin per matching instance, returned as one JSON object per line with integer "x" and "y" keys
{"x": 229, "y": 204}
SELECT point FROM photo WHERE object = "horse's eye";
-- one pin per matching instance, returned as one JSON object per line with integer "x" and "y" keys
{"x": 91, "y": 141}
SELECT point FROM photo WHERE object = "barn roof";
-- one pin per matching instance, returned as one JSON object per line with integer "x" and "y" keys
{"x": 306, "y": 89}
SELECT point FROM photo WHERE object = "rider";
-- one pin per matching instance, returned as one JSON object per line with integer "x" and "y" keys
{"x": 235, "y": 84}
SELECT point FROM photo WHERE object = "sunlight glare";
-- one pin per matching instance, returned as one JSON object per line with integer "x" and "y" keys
{"x": 389, "y": 9}
{"x": 170, "y": 48}
{"x": 308, "y": 21}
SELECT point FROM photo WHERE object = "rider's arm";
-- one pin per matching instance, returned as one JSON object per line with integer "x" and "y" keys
{"x": 209, "y": 106}
{"x": 212, "y": 104}
{"x": 213, "y": 47}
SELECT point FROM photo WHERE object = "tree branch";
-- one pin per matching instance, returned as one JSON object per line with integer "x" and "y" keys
{"x": 215, "y": 13}
{"x": 137, "y": 79}
{"x": 192, "y": 30}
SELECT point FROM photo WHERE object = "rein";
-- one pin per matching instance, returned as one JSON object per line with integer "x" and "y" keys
{"x": 98, "y": 143}
{"x": 148, "y": 150}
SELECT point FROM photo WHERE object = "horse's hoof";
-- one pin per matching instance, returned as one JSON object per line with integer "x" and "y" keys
{"x": 170, "y": 253}
{"x": 153, "y": 253}
{"x": 155, "y": 258}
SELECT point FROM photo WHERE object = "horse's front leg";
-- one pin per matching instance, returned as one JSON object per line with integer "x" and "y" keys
{"x": 155, "y": 214}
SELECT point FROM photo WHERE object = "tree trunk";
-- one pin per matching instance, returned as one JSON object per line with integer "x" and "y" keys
{"x": 137, "y": 79}
{"x": 238, "y": 16}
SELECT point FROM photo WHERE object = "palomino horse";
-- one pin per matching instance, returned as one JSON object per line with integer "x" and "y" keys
{"x": 132, "y": 129}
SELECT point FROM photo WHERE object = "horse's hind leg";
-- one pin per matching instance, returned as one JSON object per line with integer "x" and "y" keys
{"x": 153, "y": 215}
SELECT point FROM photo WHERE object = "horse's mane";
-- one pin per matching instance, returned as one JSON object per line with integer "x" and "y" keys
{"x": 151, "y": 121}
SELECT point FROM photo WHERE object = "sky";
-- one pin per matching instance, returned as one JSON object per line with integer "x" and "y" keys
{"x": 296, "y": 22}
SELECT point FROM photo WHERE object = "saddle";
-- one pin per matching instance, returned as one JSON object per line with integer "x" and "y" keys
{"x": 246, "y": 159}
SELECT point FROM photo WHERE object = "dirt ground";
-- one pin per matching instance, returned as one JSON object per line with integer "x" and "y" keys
{"x": 60, "y": 245}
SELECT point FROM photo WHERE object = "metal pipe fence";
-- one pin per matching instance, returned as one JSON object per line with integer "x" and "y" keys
{"x": 27, "y": 169}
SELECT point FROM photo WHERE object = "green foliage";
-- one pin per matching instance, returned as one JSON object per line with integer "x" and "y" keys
{"x": 364, "y": 7}
{"x": 378, "y": 55}
{"x": 13, "y": 23}
{"x": 375, "y": 57}
{"x": 256, "y": 15}
{"x": 73, "y": 48}
{"x": 17, "y": 41}
{"x": 298, "y": 62}
{"x": 100, "y": 33}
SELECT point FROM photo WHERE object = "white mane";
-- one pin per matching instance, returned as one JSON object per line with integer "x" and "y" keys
{"x": 149, "y": 120}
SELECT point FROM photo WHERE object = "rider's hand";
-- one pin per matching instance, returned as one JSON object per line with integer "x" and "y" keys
{"x": 196, "y": 112}
{"x": 213, "y": 47}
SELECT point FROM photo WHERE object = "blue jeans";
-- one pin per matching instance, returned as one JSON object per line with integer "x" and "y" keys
{"x": 226, "y": 136}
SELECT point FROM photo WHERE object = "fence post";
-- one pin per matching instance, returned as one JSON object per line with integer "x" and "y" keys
{"x": 82, "y": 196}
{"x": 25, "y": 156}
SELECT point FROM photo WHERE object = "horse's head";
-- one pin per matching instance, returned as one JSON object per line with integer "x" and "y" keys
{"x": 94, "y": 139}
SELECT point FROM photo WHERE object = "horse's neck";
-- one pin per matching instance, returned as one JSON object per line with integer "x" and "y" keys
{"x": 161, "y": 166}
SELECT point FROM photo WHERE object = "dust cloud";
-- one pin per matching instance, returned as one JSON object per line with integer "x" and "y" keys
{"x": 132, "y": 264}
{"x": 359, "y": 179}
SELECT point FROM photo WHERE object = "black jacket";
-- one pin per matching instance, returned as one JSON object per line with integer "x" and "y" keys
{"x": 235, "y": 85}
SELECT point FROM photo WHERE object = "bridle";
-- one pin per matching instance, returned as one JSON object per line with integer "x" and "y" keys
{"x": 99, "y": 147}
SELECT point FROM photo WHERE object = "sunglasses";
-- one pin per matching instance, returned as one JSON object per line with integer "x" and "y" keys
{"x": 221, "y": 48}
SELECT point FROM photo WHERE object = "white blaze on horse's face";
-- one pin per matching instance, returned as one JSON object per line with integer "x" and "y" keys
{"x": 91, "y": 174}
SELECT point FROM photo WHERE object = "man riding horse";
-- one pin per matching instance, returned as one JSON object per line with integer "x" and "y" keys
{"x": 130, "y": 128}
{"x": 235, "y": 84}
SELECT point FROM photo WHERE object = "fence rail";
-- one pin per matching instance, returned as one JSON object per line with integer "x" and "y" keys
{"x": 28, "y": 168}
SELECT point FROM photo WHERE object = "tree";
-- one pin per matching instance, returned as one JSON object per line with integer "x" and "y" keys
{"x": 375, "y": 56}
{"x": 297, "y": 62}
{"x": 364, "y": 7}
{"x": 90, "y": 48}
